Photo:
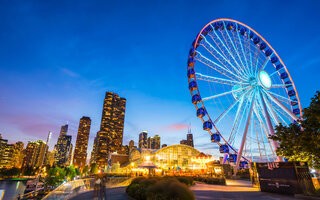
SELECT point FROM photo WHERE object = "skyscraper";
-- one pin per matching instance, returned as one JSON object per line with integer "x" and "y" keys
{"x": 190, "y": 138}
{"x": 34, "y": 153}
{"x": 184, "y": 142}
{"x": 156, "y": 139}
{"x": 64, "y": 130}
{"x": 131, "y": 145}
{"x": 18, "y": 154}
{"x": 150, "y": 143}
{"x": 109, "y": 138}
{"x": 63, "y": 147}
{"x": 143, "y": 137}
{"x": 6, "y": 154}
{"x": 80, "y": 151}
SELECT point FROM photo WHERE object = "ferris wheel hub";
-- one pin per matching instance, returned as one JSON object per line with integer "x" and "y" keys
{"x": 264, "y": 79}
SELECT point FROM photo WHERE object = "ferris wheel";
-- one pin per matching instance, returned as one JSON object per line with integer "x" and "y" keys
{"x": 241, "y": 90}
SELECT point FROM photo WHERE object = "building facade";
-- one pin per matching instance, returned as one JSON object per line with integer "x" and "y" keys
{"x": 143, "y": 139}
{"x": 6, "y": 154}
{"x": 34, "y": 154}
{"x": 63, "y": 148}
{"x": 131, "y": 145}
{"x": 109, "y": 138}
{"x": 80, "y": 151}
{"x": 174, "y": 156}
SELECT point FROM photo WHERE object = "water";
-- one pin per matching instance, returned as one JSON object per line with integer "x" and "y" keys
{"x": 12, "y": 188}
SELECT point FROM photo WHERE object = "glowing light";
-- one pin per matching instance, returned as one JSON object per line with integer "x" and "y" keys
{"x": 147, "y": 158}
{"x": 202, "y": 161}
{"x": 265, "y": 79}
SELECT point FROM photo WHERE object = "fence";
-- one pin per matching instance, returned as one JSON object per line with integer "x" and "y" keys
{"x": 71, "y": 189}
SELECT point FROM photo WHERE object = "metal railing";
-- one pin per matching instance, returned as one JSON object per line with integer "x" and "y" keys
{"x": 71, "y": 189}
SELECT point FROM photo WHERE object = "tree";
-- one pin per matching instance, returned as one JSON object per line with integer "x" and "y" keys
{"x": 301, "y": 141}
{"x": 94, "y": 168}
{"x": 85, "y": 170}
{"x": 55, "y": 176}
{"x": 70, "y": 172}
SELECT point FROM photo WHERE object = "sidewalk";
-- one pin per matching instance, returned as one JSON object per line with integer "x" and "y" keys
{"x": 234, "y": 190}
{"x": 117, "y": 193}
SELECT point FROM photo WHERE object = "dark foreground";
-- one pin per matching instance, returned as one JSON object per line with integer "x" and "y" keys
{"x": 235, "y": 189}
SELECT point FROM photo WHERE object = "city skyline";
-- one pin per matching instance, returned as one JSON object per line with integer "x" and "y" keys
{"x": 61, "y": 74}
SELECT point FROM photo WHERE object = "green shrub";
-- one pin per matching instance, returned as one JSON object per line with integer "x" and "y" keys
{"x": 186, "y": 180}
{"x": 161, "y": 188}
{"x": 169, "y": 189}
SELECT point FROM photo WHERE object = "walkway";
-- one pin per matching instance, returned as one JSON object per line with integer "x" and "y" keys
{"x": 117, "y": 193}
{"x": 235, "y": 189}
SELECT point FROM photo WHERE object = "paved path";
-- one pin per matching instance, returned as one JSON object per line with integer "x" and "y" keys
{"x": 117, "y": 193}
{"x": 235, "y": 189}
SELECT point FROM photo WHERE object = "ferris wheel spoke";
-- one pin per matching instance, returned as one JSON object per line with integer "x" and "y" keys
{"x": 225, "y": 93}
{"x": 266, "y": 62}
{"x": 236, "y": 119}
{"x": 257, "y": 59}
{"x": 244, "y": 55}
{"x": 280, "y": 85}
{"x": 212, "y": 65}
{"x": 282, "y": 98}
{"x": 270, "y": 110}
{"x": 275, "y": 100}
{"x": 245, "y": 132}
{"x": 262, "y": 129}
{"x": 207, "y": 78}
{"x": 268, "y": 120}
{"x": 211, "y": 49}
{"x": 278, "y": 113}
{"x": 266, "y": 134}
{"x": 230, "y": 107}
{"x": 255, "y": 130}
{"x": 228, "y": 50}
{"x": 243, "y": 66}
{"x": 248, "y": 47}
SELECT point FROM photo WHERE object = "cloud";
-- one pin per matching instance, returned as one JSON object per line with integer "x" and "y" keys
{"x": 69, "y": 72}
{"x": 175, "y": 127}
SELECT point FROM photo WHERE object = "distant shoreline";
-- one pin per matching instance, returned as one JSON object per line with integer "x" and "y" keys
{"x": 15, "y": 179}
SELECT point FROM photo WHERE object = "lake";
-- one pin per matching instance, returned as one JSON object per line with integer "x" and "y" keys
{"x": 12, "y": 188}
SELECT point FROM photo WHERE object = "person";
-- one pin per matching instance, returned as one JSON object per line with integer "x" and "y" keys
{"x": 103, "y": 188}
{"x": 96, "y": 187}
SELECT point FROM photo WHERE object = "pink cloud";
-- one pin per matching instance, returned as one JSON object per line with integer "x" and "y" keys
{"x": 175, "y": 127}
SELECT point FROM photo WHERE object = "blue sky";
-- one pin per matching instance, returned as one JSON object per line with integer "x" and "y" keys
{"x": 57, "y": 59}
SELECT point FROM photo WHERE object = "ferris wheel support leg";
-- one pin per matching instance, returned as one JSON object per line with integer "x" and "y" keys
{"x": 244, "y": 136}
{"x": 225, "y": 158}
{"x": 283, "y": 107}
{"x": 269, "y": 124}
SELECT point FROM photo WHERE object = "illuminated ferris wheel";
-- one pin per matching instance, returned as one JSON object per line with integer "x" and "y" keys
{"x": 237, "y": 77}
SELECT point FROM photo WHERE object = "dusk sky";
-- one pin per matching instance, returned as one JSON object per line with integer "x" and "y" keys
{"x": 58, "y": 58}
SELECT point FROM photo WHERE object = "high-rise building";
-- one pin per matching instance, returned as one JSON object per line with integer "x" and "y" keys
{"x": 156, "y": 139}
{"x": 63, "y": 147}
{"x": 143, "y": 137}
{"x": 190, "y": 138}
{"x": 6, "y": 154}
{"x": 18, "y": 154}
{"x": 80, "y": 151}
{"x": 150, "y": 142}
{"x": 131, "y": 145}
{"x": 184, "y": 142}
{"x": 109, "y": 138}
{"x": 49, "y": 158}
{"x": 94, "y": 151}
{"x": 64, "y": 130}
{"x": 34, "y": 153}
